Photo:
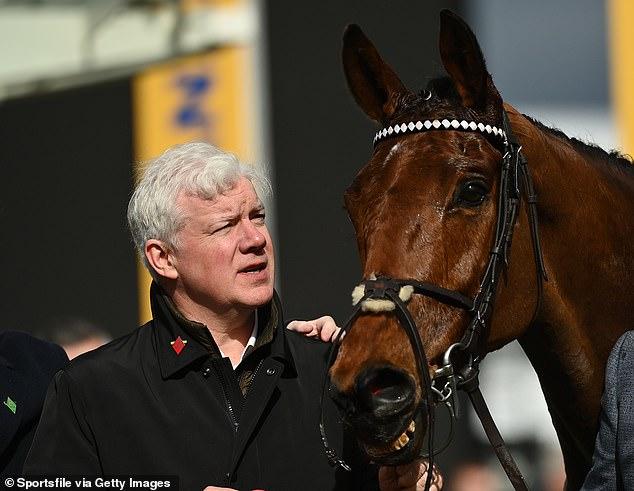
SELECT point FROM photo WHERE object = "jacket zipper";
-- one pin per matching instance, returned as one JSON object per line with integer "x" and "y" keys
{"x": 225, "y": 392}
{"x": 255, "y": 372}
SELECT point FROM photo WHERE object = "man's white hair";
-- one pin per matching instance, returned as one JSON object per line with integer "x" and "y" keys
{"x": 197, "y": 169}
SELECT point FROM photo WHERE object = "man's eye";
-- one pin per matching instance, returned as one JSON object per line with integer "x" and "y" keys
{"x": 220, "y": 228}
{"x": 259, "y": 218}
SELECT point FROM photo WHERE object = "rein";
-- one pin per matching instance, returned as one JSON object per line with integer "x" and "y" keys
{"x": 389, "y": 294}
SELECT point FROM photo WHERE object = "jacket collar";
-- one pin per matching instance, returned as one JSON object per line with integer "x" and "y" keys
{"x": 279, "y": 344}
{"x": 169, "y": 324}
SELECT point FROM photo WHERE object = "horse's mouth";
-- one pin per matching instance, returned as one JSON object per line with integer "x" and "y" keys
{"x": 379, "y": 451}
{"x": 402, "y": 449}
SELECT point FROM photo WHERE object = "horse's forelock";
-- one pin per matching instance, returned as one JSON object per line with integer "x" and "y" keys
{"x": 445, "y": 103}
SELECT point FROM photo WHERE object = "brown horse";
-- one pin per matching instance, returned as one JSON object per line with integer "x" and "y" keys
{"x": 425, "y": 207}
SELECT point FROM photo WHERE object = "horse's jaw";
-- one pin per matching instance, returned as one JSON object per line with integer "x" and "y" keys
{"x": 397, "y": 450}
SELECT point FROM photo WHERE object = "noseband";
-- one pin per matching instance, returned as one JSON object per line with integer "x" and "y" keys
{"x": 391, "y": 295}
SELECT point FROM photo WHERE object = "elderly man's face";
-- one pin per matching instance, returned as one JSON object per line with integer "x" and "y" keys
{"x": 224, "y": 257}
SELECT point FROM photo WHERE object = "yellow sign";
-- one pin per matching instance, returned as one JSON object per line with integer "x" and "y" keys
{"x": 196, "y": 98}
{"x": 621, "y": 15}
{"x": 189, "y": 5}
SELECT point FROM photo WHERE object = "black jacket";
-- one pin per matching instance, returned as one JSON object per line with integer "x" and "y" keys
{"x": 136, "y": 407}
{"x": 27, "y": 366}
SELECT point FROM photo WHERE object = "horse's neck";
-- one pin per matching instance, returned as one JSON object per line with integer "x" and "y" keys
{"x": 586, "y": 223}
{"x": 572, "y": 384}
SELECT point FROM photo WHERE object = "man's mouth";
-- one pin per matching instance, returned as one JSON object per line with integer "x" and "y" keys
{"x": 253, "y": 268}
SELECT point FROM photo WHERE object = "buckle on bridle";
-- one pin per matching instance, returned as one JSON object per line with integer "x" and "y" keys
{"x": 451, "y": 379}
{"x": 377, "y": 288}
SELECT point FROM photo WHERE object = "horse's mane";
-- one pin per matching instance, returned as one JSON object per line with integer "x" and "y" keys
{"x": 614, "y": 158}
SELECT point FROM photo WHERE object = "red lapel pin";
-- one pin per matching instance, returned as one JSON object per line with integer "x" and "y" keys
{"x": 178, "y": 345}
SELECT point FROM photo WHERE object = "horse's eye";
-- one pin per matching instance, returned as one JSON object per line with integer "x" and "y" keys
{"x": 472, "y": 193}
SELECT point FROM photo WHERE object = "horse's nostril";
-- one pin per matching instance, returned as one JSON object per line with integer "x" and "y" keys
{"x": 385, "y": 390}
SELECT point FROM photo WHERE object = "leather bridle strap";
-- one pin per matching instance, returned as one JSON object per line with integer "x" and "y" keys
{"x": 331, "y": 453}
{"x": 423, "y": 372}
{"x": 495, "y": 438}
{"x": 443, "y": 295}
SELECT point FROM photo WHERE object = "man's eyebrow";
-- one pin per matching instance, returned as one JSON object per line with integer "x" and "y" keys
{"x": 226, "y": 215}
{"x": 226, "y": 211}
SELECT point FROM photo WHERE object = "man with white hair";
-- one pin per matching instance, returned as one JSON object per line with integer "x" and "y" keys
{"x": 213, "y": 390}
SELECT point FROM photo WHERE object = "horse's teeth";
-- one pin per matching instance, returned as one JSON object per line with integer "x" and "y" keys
{"x": 403, "y": 439}
{"x": 401, "y": 442}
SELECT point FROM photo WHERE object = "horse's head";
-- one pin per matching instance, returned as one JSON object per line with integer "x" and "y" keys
{"x": 423, "y": 208}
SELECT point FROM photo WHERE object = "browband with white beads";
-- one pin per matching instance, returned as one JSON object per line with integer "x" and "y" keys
{"x": 435, "y": 124}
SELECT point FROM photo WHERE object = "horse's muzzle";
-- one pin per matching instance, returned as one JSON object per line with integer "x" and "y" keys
{"x": 384, "y": 392}
{"x": 380, "y": 409}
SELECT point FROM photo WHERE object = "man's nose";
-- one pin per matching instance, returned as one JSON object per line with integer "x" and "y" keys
{"x": 253, "y": 237}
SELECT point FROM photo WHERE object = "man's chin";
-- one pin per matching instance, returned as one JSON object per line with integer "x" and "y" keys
{"x": 257, "y": 297}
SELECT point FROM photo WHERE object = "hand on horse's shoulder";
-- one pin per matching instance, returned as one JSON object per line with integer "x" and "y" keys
{"x": 408, "y": 477}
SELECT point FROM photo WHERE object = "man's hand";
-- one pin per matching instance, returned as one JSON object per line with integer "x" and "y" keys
{"x": 408, "y": 477}
{"x": 323, "y": 328}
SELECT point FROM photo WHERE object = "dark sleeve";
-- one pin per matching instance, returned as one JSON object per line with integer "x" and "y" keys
{"x": 51, "y": 357}
{"x": 603, "y": 473}
{"x": 63, "y": 443}
{"x": 625, "y": 401}
{"x": 365, "y": 475}
{"x": 34, "y": 362}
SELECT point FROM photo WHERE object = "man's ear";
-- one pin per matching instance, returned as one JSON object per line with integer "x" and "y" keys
{"x": 161, "y": 259}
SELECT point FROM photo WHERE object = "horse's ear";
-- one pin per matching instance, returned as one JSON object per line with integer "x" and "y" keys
{"x": 462, "y": 57}
{"x": 374, "y": 85}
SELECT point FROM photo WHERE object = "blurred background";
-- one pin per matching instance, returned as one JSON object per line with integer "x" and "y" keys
{"x": 90, "y": 89}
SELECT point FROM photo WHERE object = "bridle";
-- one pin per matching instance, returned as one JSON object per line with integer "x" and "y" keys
{"x": 393, "y": 294}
